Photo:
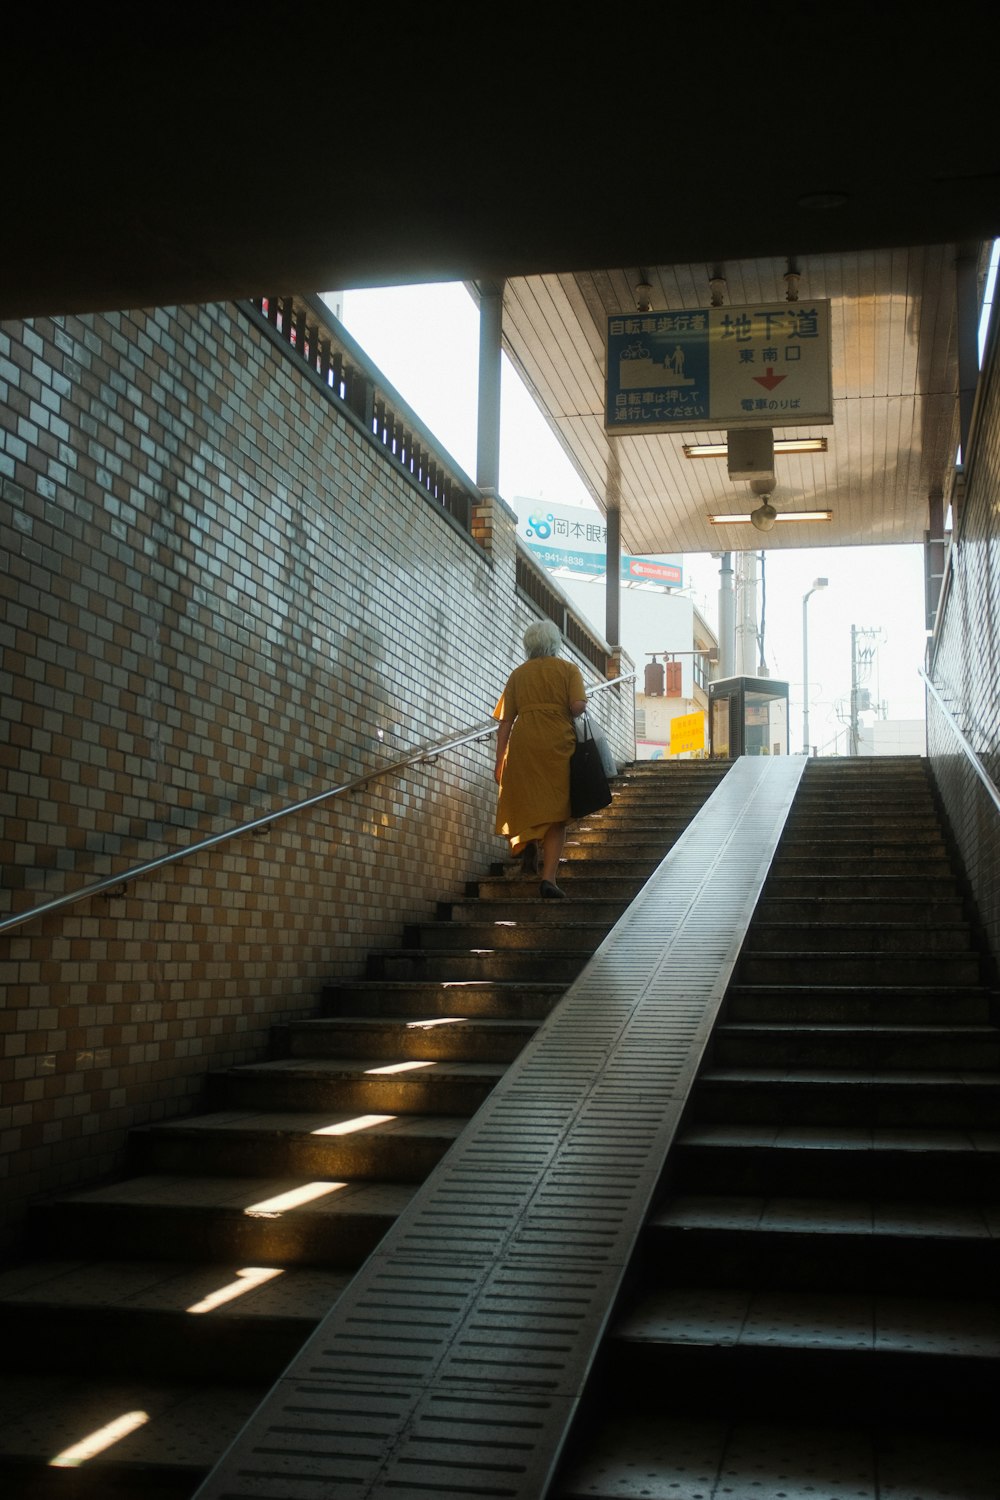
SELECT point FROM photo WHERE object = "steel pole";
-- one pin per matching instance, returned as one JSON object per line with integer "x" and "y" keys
{"x": 805, "y": 672}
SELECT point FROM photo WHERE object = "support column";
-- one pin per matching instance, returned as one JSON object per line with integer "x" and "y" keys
{"x": 727, "y": 617}
{"x": 613, "y": 581}
{"x": 488, "y": 426}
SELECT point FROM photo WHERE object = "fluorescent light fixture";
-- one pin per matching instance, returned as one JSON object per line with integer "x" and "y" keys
{"x": 781, "y": 445}
{"x": 743, "y": 519}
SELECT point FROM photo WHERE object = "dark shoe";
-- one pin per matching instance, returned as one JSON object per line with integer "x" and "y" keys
{"x": 530, "y": 863}
{"x": 551, "y": 892}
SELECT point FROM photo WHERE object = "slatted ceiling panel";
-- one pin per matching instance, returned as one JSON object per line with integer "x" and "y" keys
{"x": 893, "y": 337}
{"x": 536, "y": 348}
{"x": 582, "y": 351}
{"x": 592, "y": 332}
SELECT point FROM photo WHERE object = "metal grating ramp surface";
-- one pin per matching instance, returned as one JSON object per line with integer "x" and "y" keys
{"x": 453, "y": 1364}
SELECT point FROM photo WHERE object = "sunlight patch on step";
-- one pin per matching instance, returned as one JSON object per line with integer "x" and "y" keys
{"x": 246, "y": 1281}
{"x": 98, "y": 1442}
{"x": 348, "y": 1127}
{"x": 439, "y": 1021}
{"x": 400, "y": 1067}
{"x": 294, "y": 1198}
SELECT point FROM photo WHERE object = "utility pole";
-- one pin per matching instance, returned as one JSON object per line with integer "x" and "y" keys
{"x": 853, "y": 734}
{"x": 861, "y": 660}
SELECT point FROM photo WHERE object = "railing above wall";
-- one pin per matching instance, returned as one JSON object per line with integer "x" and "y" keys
{"x": 536, "y": 585}
{"x": 960, "y": 738}
{"x": 422, "y": 756}
{"x": 324, "y": 347}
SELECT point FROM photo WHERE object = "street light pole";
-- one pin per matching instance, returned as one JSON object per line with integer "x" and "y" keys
{"x": 818, "y": 583}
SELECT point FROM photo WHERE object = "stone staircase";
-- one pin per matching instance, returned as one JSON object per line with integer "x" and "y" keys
{"x": 159, "y": 1309}
{"x": 814, "y": 1309}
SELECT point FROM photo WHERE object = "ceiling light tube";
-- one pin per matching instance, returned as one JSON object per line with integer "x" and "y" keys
{"x": 781, "y": 445}
{"x": 743, "y": 519}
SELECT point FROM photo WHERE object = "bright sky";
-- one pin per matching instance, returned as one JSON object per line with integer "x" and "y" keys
{"x": 425, "y": 340}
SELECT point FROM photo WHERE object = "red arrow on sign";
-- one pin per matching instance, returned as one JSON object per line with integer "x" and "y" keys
{"x": 769, "y": 381}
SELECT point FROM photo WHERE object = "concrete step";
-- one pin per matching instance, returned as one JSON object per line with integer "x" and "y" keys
{"x": 822, "y": 1244}
{"x": 823, "y": 861}
{"x": 861, "y": 848}
{"x": 830, "y": 1096}
{"x": 271, "y": 1221}
{"x": 860, "y": 885}
{"x": 759, "y": 1044}
{"x": 575, "y": 879}
{"x": 869, "y": 1356}
{"x": 876, "y": 768}
{"x": 159, "y": 1318}
{"x": 572, "y": 927}
{"x": 638, "y": 805}
{"x": 802, "y": 967}
{"x": 674, "y": 773}
{"x": 706, "y": 1446}
{"x": 767, "y": 1318}
{"x": 360, "y": 1086}
{"x": 614, "y": 861}
{"x": 769, "y": 936}
{"x": 856, "y": 907}
{"x": 522, "y": 904}
{"x": 642, "y": 823}
{"x": 454, "y": 1038}
{"x": 513, "y": 1000}
{"x": 169, "y": 1435}
{"x": 324, "y": 1145}
{"x": 636, "y": 853}
{"x": 784, "y": 1161}
{"x": 884, "y": 817}
{"x": 858, "y": 1004}
{"x": 551, "y": 965}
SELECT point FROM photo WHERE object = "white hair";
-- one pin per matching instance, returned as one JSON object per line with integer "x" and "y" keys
{"x": 544, "y": 638}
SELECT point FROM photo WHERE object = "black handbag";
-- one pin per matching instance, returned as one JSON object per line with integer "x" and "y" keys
{"x": 588, "y": 785}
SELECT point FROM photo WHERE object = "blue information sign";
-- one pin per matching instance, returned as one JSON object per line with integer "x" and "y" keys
{"x": 767, "y": 364}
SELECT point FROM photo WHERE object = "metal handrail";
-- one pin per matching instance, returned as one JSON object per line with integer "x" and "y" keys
{"x": 425, "y": 755}
{"x": 966, "y": 748}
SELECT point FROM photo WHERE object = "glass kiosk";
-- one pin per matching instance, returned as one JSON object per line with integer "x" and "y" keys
{"x": 747, "y": 716}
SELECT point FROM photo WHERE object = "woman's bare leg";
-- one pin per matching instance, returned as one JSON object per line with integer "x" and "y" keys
{"x": 552, "y": 848}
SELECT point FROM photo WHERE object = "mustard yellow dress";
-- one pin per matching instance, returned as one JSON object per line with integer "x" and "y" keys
{"x": 534, "y": 777}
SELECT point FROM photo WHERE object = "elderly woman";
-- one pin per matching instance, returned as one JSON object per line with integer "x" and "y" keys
{"x": 534, "y": 744}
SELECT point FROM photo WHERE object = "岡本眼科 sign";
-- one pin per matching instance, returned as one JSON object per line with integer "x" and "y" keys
{"x": 573, "y": 540}
{"x": 764, "y": 365}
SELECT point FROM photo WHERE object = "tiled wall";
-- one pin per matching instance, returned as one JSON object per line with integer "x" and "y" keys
{"x": 965, "y": 661}
{"x": 218, "y": 598}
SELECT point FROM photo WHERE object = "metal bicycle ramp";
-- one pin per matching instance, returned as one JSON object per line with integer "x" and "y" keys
{"x": 455, "y": 1361}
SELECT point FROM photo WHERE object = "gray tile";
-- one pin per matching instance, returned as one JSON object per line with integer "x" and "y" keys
{"x": 778, "y": 1463}
{"x": 636, "y": 1459}
{"x": 810, "y": 1320}
{"x": 818, "y": 1215}
{"x": 932, "y": 1219}
{"x": 912, "y": 1467}
{"x": 956, "y": 1328}
{"x": 688, "y": 1315}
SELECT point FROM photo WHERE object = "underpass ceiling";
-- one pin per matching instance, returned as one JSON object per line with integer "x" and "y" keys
{"x": 182, "y": 158}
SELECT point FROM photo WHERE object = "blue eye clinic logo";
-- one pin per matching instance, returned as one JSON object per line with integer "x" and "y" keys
{"x": 539, "y": 527}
